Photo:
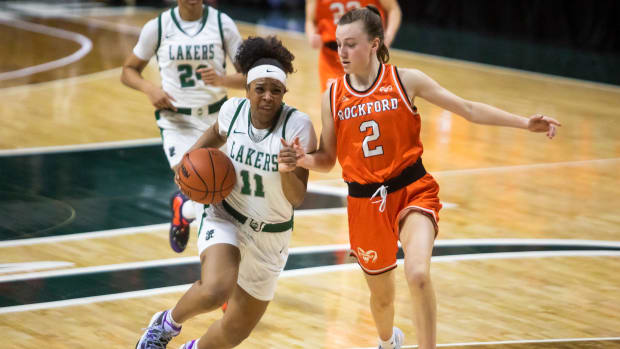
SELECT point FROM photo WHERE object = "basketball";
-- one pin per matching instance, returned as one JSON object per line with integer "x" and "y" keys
{"x": 206, "y": 175}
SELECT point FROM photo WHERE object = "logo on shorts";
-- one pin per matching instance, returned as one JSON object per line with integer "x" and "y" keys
{"x": 256, "y": 226}
{"x": 209, "y": 234}
{"x": 369, "y": 255}
{"x": 171, "y": 151}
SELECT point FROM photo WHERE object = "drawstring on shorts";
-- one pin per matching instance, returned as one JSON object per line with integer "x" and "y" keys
{"x": 382, "y": 191}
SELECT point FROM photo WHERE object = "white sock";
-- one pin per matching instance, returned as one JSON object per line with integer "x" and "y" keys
{"x": 189, "y": 211}
{"x": 170, "y": 320}
{"x": 388, "y": 344}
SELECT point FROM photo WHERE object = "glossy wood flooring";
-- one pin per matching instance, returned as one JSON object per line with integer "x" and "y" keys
{"x": 496, "y": 183}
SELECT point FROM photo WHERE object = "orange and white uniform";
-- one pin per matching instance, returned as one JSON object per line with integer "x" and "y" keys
{"x": 379, "y": 149}
{"x": 327, "y": 15}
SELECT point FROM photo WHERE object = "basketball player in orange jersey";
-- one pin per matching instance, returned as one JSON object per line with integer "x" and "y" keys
{"x": 370, "y": 123}
{"x": 321, "y": 19}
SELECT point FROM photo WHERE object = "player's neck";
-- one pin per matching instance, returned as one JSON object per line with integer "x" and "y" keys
{"x": 190, "y": 14}
{"x": 364, "y": 80}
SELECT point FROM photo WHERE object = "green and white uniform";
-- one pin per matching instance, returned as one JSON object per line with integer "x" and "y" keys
{"x": 181, "y": 48}
{"x": 256, "y": 216}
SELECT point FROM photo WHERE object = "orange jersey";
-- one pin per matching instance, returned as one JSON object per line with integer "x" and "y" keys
{"x": 328, "y": 12}
{"x": 378, "y": 130}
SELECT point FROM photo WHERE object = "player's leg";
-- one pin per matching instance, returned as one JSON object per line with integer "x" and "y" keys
{"x": 242, "y": 315}
{"x": 382, "y": 293}
{"x": 220, "y": 267}
{"x": 219, "y": 270}
{"x": 264, "y": 256}
{"x": 417, "y": 236}
{"x": 375, "y": 244}
{"x": 220, "y": 257}
{"x": 176, "y": 141}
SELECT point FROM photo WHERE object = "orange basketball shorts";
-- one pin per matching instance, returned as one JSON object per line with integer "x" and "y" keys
{"x": 374, "y": 234}
{"x": 329, "y": 67}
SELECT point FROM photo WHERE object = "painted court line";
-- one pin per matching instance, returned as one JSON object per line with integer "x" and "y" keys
{"x": 522, "y": 341}
{"x": 345, "y": 247}
{"x": 81, "y": 147}
{"x": 85, "y": 47}
{"x": 138, "y": 230}
{"x": 295, "y": 273}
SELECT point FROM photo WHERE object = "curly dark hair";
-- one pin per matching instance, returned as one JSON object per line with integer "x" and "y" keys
{"x": 256, "y": 50}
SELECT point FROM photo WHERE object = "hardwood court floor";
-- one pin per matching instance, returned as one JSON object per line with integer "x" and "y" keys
{"x": 496, "y": 183}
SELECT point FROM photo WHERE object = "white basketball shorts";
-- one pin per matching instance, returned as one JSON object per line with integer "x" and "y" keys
{"x": 263, "y": 254}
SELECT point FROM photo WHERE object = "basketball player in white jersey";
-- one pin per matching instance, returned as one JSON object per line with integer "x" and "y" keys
{"x": 190, "y": 42}
{"x": 243, "y": 241}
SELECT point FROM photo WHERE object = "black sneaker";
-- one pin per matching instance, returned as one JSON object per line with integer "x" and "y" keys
{"x": 179, "y": 226}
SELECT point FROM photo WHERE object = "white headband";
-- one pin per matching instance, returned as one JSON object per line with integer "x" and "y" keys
{"x": 267, "y": 71}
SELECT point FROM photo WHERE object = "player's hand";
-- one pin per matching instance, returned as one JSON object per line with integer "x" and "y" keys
{"x": 288, "y": 156}
{"x": 160, "y": 99}
{"x": 210, "y": 77}
{"x": 315, "y": 41}
{"x": 542, "y": 123}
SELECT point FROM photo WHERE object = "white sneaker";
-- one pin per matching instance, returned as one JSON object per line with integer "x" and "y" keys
{"x": 157, "y": 336}
{"x": 399, "y": 338}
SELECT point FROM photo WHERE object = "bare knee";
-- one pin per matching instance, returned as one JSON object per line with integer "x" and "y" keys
{"x": 213, "y": 295}
{"x": 417, "y": 277}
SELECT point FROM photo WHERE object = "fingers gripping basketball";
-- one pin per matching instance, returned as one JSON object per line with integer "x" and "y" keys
{"x": 206, "y": 175}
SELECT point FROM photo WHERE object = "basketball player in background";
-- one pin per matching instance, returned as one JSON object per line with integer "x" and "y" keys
{"x": 321, "y": 19}
{"x": 243, "y": 241}
{"x": 370, "y": 123}
{"x": 191, "y": 42}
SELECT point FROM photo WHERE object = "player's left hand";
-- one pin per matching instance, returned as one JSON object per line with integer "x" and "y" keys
{"x": 287, "y": 158}
{"x": 542, "y": 123}
{"x": 210, "y": 77}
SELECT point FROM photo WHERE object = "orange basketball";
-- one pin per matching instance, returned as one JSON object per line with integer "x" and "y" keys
{"x": 206, "y": 175}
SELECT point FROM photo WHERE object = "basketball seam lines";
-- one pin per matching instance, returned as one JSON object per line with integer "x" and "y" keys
{"x": 198, "y": 174}
{"x": 212, "y": 171}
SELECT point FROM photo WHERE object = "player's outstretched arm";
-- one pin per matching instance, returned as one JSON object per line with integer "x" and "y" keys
{"x": 294, "y": 179}
{"x": 419, "y": 84}
{"x": 324, "y": 158}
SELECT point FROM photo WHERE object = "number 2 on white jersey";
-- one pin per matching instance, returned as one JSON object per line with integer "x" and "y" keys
{"x": 371, "y": 137}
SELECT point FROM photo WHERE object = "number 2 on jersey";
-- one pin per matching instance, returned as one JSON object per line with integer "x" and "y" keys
{"x": 186, "y": 74}
{"x": 378, "y": 150}
{"x": 339, "y": 8}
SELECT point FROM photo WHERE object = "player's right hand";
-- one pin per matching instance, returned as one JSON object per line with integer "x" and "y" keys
{"x": 287, "y": 158}
{"x": 160, "y": 99}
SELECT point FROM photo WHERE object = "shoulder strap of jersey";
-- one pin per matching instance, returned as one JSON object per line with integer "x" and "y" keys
{"x": 158, "y": 35}
{"x": 232, "y": 122}
{"x": 288, "y": 115}
{"x": 219, "y": 24}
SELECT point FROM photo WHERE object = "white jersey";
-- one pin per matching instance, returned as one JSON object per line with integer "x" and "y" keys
{"x": 258, "y": 191}
{"x": 182, "y": 47}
